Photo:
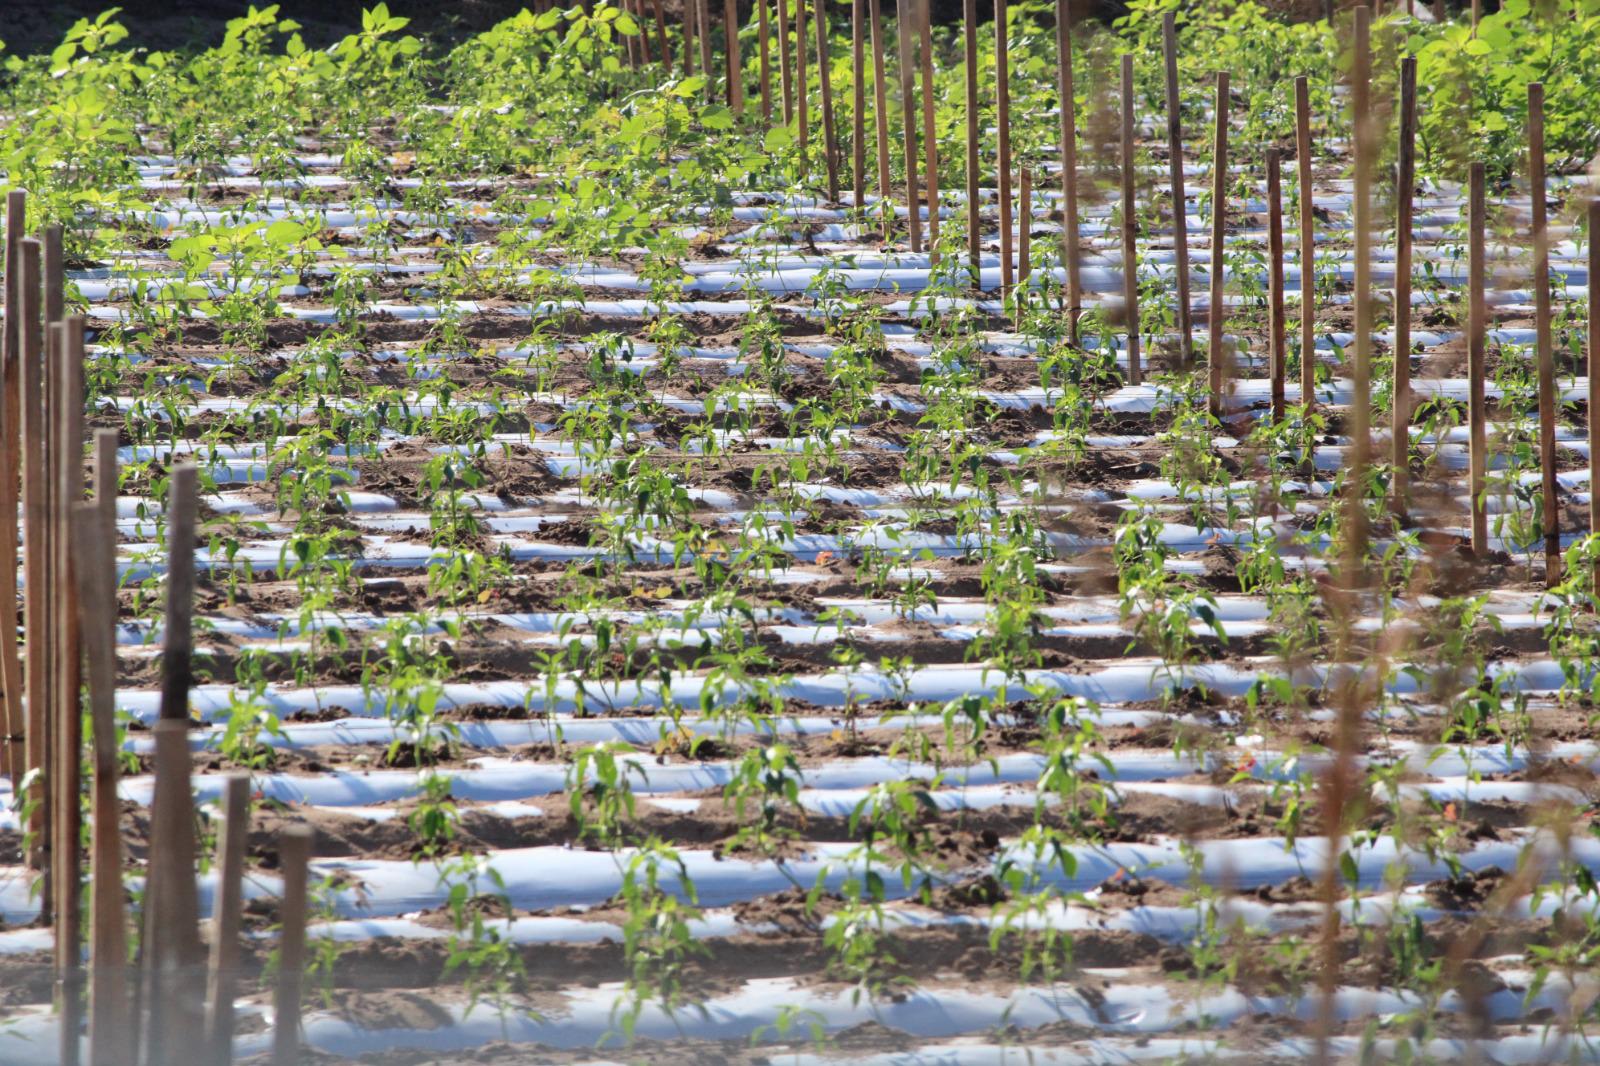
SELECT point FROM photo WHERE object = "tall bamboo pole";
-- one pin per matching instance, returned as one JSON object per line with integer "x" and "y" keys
{"x": 880, "y": 113}
{"x": 1405, "y": 178}
{"x": 1069, "y": 165}
{"x": 858, "y": 109}
{"x": 1002, "y": 98}
{"x": 1180, "y": 209}
{"x": 969, "y": 37}
{"x": 1130, "y": 225}
{"x": 1308, "y": 271}
{"x": 1277, "y": 340}
{"x": 785, "y": 72}
{"x": 1544, "y": 344}
{"x": 16, "y": 753}
{"x": 764, "y": 36}
{"x": 830, "y": 144}
{"x": 1216, "y": 315}
{"x": 1477, "y": 403}
{"x": 735, "y": 65}
{"x": 36, "y": 580}
{"x": 909, "y": 122}
{"x": 1594, "y": 365}
{"x": 930, "y": 137}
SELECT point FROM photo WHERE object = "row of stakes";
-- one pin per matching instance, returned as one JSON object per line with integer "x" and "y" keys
{"x": 148, "y": 1012}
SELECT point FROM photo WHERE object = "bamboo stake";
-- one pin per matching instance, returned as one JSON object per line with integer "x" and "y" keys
{"x": 930, "y": 136}
{"x": 689, "y": 16}
{"x": 858, "y": 106}
{"x": 1594, "y": 366}
{"x": 173, "y": 955}
{"x": 94, "y": 537}
{"x": 880, "y": 113}
{"x": 1180, "y": 210}
{"x": 662, "y": 44}
{"x": 1545, "y": 345}
{"x": 1024, "y": 233}
{"x": 225, "y": 919}
{"x": 730, "y": 36}
{"x": 765, "y": 36}
{"x": 702, "y": 10}
{"x": 1405, "y": 178}
{"x": 1476, "y": 402}
{"x": 1277, "y": 341}
{"x": 802, "y": 94}
{"x": 36, "y": 581}
{"x": 1130, "y": 226}
{"x": 68, "y": 711}
{"x": 785, "y": 73}
{"x": 1002, "y": 88}
{"x": 969, "y": 36}
{"x": 1360, "y": 402}
{"x": 294, "y": 851}
{"x": 16, "y": 753}
{"x": 644, "y": 32}
{"x": 830, "y": 144}
{"x": 1308, "y": 238}
{"x": 908, "y": 122}
{"x": 1069, "y": 165}
{"x": 45, "y": 627}
{"x": 1216, "y": 316}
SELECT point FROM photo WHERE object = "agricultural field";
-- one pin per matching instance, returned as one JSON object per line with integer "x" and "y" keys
{"x": 568, "y": 557}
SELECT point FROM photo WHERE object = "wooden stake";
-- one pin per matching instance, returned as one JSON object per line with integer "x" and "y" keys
{"x": 880, "y": 113}
{"x": 644, "y": 32}
{"x": 36, "y": 579}
{"x": 68, "y": 710}
{"x": 830, "y": 144}
{"x": 294, "y": 852}
{"x": 1130, "y": 226}
{"x": 1069, "y": 166}
{"x": 1476, "y": 401}
{"x": 16, "y": 753}
{"x": 94, "y": 540}
{"x": 1308, "y": 239}
{"x": 1216, "y": 316}
{"x": 858, "y": 106}
{"x": 969, "y": 36}
{"x": 1361, "y": 211}
{"x": 908, "y": 113}
{"x": 802, "y": 74}
{"x": 1544, "y": 344}
{"x": 1277, "y": 340}
{"x": 1024, "y": 234}
{"x": 662, "y": 43}
{"x": 225, "y": 918}
{"x": 764, "y": 32}
{"x": 1405, "y": 179}
{"x": 1180, "y": 210}
{"x": 689, "y": 17}
{"x": 930, "y": 134}
{"x": 1002, "y": 89}
{"x": 730, "y": 36}
{"x": 702, "y": 10}
{"x": 785, "y": 73}
{"x": 1594, "y": 366}
{"x": 173, "y": 955}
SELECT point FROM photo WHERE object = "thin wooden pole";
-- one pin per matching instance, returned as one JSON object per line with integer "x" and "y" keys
{"x": 858, "y": 105}
{"x": 664, "y": 45}
{"x": 1130, "y": 226}
{"x": 174, "y": 959}
{"x": 702, "y": 10}
{"x": 1308, "y": 239}
{"x": 644, "y": 32}
{"x": 16, "y": 754}
{"x": 1405, "y": 178}
{"x": 930, "y": 133}
{"x": 880, "y": 111}
{"x": 1277, "y": 340}
{"x": 969, "y": 37}
{"x": 802, "y": 75}
{"x": 1002, "y": 97}
{"x": 36, "y": 580}
{"x": 785, "y": 72}
{"x": 1069, "y": 165}
{"x": 1180, "y": 209}
{"x": 830, "y": 143}
{"x": 1594, "y": 366}
{"x": 294, "y": 853}
{"x": 735, "y": 64}
{"x": 908, "y": 113}
{"x": 68, "y": 711}
{"x": 94, "y": 538}
{"x": 1544, "y": 344}
{"x": 1361, "y": 213}
{"x": 1216, "y": 316}
{"x": 689, "y": 16}
{"x": 225, "y": 918}
{"x": 1024, "y": 233}
{"x": 764, "y": 33}
{"x": 1477, "y": 419}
